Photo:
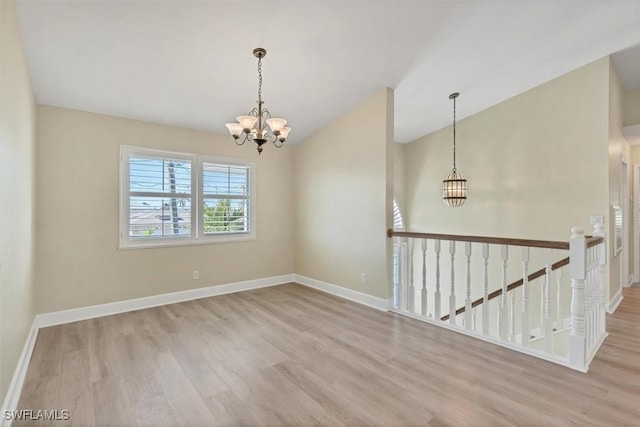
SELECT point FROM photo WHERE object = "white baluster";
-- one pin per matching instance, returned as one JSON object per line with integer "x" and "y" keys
{"x": 485, "y": 284}
{"x": 474, "y": 319}
{"x": 405, "y": 271}
{"x": 577, "y": 250}
{"x": 400, "y": 281}
{"x": 512, "y": 311}
{"x": 411, "y": 290}
{"x": 547, "y": 323}
{"x": 526, "y": 331}
{"x": 503, "y": 318}
{"x": 424, "y": 278}
{"x": 452, "y": 296}
{"x": 559, "y": 299}
{"x": 467, "y": 302}
{"x": 437, "y": 294}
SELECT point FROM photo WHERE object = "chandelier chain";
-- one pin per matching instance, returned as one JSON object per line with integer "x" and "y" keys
{"x": 260, "y": 79}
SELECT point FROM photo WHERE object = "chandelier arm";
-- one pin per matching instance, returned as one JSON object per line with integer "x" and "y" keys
{"x": 245, "y": 139}
{"x": 278, "y": 143}
{"x": 270, "y": 137}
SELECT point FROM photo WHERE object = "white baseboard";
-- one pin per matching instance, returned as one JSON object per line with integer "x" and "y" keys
{"x": 615, "y": 302}
{"x": 13, "y": 393}
{"x": 350, "y": 294}
{"x": 83, "y": 313}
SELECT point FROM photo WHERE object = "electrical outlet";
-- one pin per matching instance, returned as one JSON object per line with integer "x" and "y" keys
{"x": 196, "y": 275}
{"x": 363, "y": 279}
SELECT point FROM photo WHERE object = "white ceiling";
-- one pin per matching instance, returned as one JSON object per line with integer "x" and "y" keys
{"x": 190, "y": 64}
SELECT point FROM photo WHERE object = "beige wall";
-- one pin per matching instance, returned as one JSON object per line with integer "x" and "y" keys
{"x": 78, "y": 261}
{"x": 634, "y": 155}
{"x": 536, "y": 164}
{"x": 631, "y": 115}
{"x": 618, "y": 149}
{"x": 398, "y": 176}
{"x": 634, "y": 159}
{"x": 17, "y": 167}
{"x": 341, "y": 198}
{"x": 631, "y": 107}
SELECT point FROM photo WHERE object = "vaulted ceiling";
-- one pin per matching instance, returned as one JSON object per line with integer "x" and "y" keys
{"x": 189, "y": 63}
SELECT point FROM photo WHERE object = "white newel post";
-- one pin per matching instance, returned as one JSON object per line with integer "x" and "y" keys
{"x": 578, "y": 268}
{"x": 423, "y": 310}
{"x": 602, "y": 294}
{"x": 467, "y": 302}
{"x": 452, "y": 295}
{"x": 503, "y": 316}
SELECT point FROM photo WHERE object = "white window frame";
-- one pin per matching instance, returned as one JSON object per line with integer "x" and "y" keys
{"x": 197, "y": 237}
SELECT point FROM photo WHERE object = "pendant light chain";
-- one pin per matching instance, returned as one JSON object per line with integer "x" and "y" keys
{"x": 454, "y": 134}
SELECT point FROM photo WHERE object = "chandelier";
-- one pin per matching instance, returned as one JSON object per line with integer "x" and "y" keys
{"x": 454, "y": 186}
{"x": 254, "y": 125}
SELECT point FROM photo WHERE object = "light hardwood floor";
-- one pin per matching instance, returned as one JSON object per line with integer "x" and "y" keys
{"x": 289, "y": 355}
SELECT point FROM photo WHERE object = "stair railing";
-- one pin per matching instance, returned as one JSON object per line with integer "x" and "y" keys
{"x": 567, "y": 326}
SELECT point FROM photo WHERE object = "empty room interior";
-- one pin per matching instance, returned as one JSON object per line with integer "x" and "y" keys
{"x": 341, "y": 213}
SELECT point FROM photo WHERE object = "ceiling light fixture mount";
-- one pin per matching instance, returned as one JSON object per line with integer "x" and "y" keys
{"x": 454, "y": 186}
{"x": 254, "y": 125}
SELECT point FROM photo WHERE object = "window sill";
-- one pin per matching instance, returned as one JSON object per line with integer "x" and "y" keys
{"x": 208, "y": 240}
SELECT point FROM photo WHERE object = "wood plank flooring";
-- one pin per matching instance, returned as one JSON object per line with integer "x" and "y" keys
{"x": 290, "y": 355}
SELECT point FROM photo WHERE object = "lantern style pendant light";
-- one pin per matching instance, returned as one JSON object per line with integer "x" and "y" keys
{"x": 454, "y": 186}
{"x": 254, "y": 125}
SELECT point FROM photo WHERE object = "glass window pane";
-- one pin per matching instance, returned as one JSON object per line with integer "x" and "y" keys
{"x": 218, "y": 179}
{"x": 154, "y": 217}
{"x": 225, "y": 216}
{"x": 159, "y": 175}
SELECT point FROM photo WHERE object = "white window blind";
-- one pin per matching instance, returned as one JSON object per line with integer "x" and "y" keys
{"x": 226, "y": 198}
{"x": 159, "y": 197}
{"x": 398, "y": 224}
{"x": 169, "y": 199}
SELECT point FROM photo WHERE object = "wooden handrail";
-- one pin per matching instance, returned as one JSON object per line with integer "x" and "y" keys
{"x": 482, "y": 239}
{"x": 514, "y": 285}
{"x": 549, "y": 244}
{"x": 592, "y": 241}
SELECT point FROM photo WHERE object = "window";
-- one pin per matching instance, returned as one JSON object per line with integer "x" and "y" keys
{"x": 398, "y": 224}
{"x": 225, "y": 198}
{"x": 169, "y": 199}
